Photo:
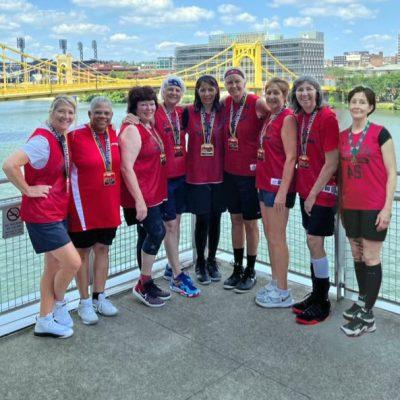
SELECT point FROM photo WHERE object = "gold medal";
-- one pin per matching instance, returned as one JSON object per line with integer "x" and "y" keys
{"x": 207, "y": 150}
{"x": 261, "y": 154}
{"x": 304, "y": 161}
{"x": 178, "y": 151}
{"x": 233, "y": 143}
{"x": 109, "y": 178}
{"x": 354, "y": 160}
{"x": 163, "y": 158}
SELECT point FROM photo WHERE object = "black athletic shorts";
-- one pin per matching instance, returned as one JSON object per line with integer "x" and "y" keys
{"x": 205, "y": 198}
{"x": 241, "y": 196}
{"x": 361, "y": 224}
{"x": 85, "y": 239}
{"x": 321, "y": 222}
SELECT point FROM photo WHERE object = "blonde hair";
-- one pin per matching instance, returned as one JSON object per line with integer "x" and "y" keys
{"x": 62, "y": 99}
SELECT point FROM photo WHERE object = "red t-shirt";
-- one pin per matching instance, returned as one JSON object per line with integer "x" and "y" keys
{"x": 176, "y": 165}
{"x": 93, "y": 204}
{"x": 54, "y": 207}
{"x": 204, "y": 169}
{"x": 270, "y": 170}
{"x": 323, "y": 138}
{"x": 363, "y": 181}
{"x": 150, "y": 173}
{"x": 243, "y": 161}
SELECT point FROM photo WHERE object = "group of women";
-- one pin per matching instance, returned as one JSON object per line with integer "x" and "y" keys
{"x": 243, "y": 153}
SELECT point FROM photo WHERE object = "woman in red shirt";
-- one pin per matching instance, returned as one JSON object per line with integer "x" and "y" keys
{"x": 276, "y": 159}
{"x": 94, "y": 211}
{"x": 368, "y": 183}
{"x": 144, "y": 188}
{"x": 45, "y": 189}
{"x": 318, "y": 138}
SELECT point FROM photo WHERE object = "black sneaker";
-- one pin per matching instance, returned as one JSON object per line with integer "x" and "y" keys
{"x": 234, "y": 279}
{"x": 197, "y": 267}
{"x": 202, "y": 277}
{"x": 364, "y": 321}
{"x": 302, "y": 306}
{"x": 247, "y": 281}
{"x": 316, "y": 313}
{"x": 162, "y": 294}
{"x": 213, "y": 270}
{"x": 351, "y": 312}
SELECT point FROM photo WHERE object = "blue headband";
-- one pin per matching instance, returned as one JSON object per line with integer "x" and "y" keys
{"x": 174, "y": 82}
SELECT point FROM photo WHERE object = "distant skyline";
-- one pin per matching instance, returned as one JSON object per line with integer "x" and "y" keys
{"x": 138, "y": 30}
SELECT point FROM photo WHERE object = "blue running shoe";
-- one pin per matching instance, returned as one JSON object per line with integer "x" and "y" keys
{"x": 183, "y": 285}
{"x": 167, "y": 273}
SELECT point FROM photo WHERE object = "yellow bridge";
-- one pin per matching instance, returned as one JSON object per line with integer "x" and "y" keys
{"x": 24, "y": 76}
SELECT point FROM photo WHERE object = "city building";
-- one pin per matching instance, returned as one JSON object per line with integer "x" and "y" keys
{"x": 302, "y": 55}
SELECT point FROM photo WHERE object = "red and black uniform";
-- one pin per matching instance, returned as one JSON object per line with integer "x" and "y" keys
{"x": 364, "y": 178}
{"x": 54, "y": 207}
{"x": 204, "y": 169}
{"x": 243, "y": 161}
{"x": 176, "y": 163}
{"x": 93, "y": 204}
{"x": 270, "y": 170}
{"x": 323, "y": 138}
{"x": 150, "y": 172}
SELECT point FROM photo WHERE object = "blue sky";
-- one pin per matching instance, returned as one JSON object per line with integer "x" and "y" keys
{"x": 145, "y": 29}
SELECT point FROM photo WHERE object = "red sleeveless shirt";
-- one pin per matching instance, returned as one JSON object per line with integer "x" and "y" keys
{"x": 150, "y": 173}
{"x": 204, "y": 169}
{"x": 364, "y": 181}
{"x": 54, "y": 207}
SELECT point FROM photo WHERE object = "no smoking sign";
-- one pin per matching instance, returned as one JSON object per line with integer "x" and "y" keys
{"x": 12, "y": 224}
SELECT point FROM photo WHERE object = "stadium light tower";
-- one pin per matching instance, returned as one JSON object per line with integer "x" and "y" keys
{"x": 94, "y": 47}
{"x": 80, "y": 48}
{"x": 63, "y": 45}
{"x": 21, "y": 46}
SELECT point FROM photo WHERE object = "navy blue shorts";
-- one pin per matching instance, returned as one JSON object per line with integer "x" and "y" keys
{"x": 85, "y": 239}
{"x": 47, "y": 237}
{"x": 176, "y": 199}
{"x": 321, "y": 222}
{"x": 268, "y": 198}
{"x": 205, "y": 198}
{"x": 241, "y": 196}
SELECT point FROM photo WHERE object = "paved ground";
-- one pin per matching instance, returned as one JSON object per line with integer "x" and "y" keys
{"x": 219, "y": 346}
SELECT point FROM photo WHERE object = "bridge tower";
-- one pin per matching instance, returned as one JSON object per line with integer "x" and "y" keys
{"x": 64, "y": 69}
{"x": 253, "y": 51}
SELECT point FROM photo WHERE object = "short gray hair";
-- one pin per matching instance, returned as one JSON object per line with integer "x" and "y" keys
{"x": 313, "y": 82}
{"x": 99, "y": 100}
{"x": 172, "y": 80}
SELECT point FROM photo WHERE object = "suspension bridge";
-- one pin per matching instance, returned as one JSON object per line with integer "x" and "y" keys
{"x": 24, "y": 76}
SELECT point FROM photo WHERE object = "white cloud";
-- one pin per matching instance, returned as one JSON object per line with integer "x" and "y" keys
{"x": 18, "y": 5}
{"x": 298, "y": 22}
{"x": 6, "y": 24}
{"x": 122, "y": 37}
{"x": 246, "y": 17}
{"x": 377, "y": 38}
{"x": 80, "y": 29}
{"x": 180, "y": 15}
{"x": 349, "y": 13}
{"x": 268, "y": 24}
{"x": 202, "y": 34}
{"x": 139, "y": 4}
{"x": 168, "y": 45}
{"x": 228, "y": 9}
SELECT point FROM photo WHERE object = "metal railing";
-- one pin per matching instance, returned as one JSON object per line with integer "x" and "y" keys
{"x": 21, "y": 268}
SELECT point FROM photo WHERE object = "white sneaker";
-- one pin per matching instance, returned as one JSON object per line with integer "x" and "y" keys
{"x": 268, "y": 288}
{"x": 47, "y": 326}
{"x": 275, "y": 299}
{"x": 86, "y": 312}
{"x": 61, "y": 314}
{"x": 104, "y": 306}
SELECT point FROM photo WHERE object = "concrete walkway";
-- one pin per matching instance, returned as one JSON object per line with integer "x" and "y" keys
{"x": 219, "y": 346}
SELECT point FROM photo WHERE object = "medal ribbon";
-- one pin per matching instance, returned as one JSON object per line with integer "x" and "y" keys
{"x": 306, "y": 133}
{"x": 354, "y": 150}
{"x": 105, "y": 153}
{"x": 234, "y": 118}
{"x": 175, "y": 125}
{"x": 64, "y": 145}
{"x": 153, "y": 133}
{"x": 207, "y": 126}
{"x": 267, "y": 123}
